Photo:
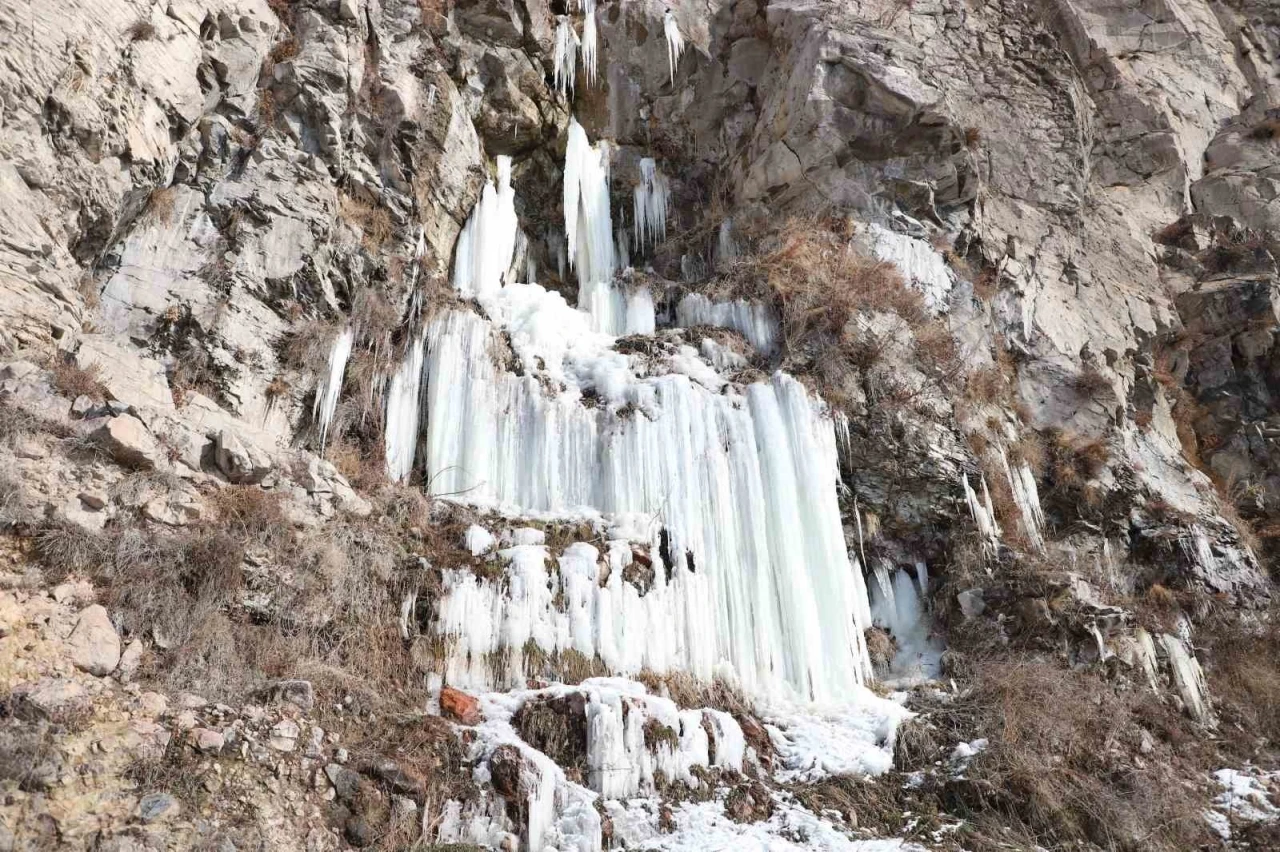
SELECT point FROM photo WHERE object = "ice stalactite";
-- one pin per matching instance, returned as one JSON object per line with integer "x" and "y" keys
{"x": 652, "y": 198}
{"x": 486, "y": 247}
{"x": 675, "y": 42}
{"x": 984, "y": 514}
{"x": 918, "y": 261}
{"x": 565, "y": 58}
{"x": 726, "y": 248}
{"x": 590, "y": 41}
{"x": 752, "y": 319}
{"x": 1188, "y": 677}
{"x": 739, "y": 490}
{"x": 1025, "y": 494}
{"x": 330, "y": 386}
{"x": 403, "y": 395}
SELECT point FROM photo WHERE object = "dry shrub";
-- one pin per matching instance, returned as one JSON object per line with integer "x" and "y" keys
{"x": 72, "y": 380}
{"x": 161, "y": 203}
{"x": 374, "y": 223}
{"x": 307, "y": 345}
{"x": 1187, "y": 412}
{"x": 366, "y": 470}
{"x": 1265, "y": 130}
{"x": 373, "y": 317}
{"x": 557, "y": 727}
{"x": 1061, "y": 760}
{"x": 987, "y": 386}
{"x": 249, "y": 512}
{"x": 1029, "y": 449}
{"x": 1090, "y": 382}
{"x": 142, "y": 30}
{"x": 1174, "y": 233}
{"x": 972, "y": 136}
{"x": 986, "y": 284}
{"x": 266, "y": 108}
{"x": 1074, "y": 460}
{"x": 1242, "y": 665}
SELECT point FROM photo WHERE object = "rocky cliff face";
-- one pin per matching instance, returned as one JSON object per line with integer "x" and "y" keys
{"x": 623, "y": 424}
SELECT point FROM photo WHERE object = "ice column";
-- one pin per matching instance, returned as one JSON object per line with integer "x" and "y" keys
{"x": 330, "y": 387}
{"x": 487, "y": 244}
{"x": 652, "y": 196}
{"x": 402, "y": 413}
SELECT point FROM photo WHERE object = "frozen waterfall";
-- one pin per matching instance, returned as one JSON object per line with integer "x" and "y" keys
{"x": 752, "y": 319}
{"x": 652, "y": 194}
{"x": 487, "y": 245}
{"x": 565, "y": 57}
{"x": 403, "y": 394}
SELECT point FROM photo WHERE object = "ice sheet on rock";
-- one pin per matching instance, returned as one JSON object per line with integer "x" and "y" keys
{"x": 403, "y": 395}
{"x": 652, "y": 198}
{"x": 330, "y": 386}
{"x": 726, "y": 248}
{"x": 738, "y": 488}
{"x": 478, "y": 540}
{"x": 675, "y": 42}
{"x": 854, "y": 737}
{"x": 486, "y": 246}
{"x": 704, "y": 827}
{"x": 1022, "y": 482}
{"x": 1244, "y": 799}
{"x": 752, "y": 319}
{"x": 565, "y": 57}
{"x": 918, "y": 261}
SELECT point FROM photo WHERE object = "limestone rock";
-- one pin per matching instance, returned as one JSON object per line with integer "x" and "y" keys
{"x": 94, "y": 645}
{"x": 129, "y": 442}
{"x": 284, "y": 735}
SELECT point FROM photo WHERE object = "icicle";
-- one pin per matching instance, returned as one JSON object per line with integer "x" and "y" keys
{"x": 330, "y": 387}
{"x": 1023, "y": 484}
{"x": 652, "y": 195}
{"x": 983, "y": 513}
{"x": 752, "y": 319}
{"x": 726, "y": 249}
{"x": 566, "y": 55}
{"x": 588, "y": 227}
{"x": 589, "y": 42}
{"x": 402, "y": 414}
{"x": 486, "y": 246}
{"x": 675, "y": 42}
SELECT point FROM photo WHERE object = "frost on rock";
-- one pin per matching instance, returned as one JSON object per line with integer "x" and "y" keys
{"x": 726, "y": 248}
{"x": 652, "y": 198}
{"x": 565, "y": 57}
{"x": 919, "y": 262}
{"x": 752, "y": 319}
{"x": 403, "y": 394}
{"x": 486, "y": 247}
{"x": 675, "y": 42}
{"x": 330, "y": 387}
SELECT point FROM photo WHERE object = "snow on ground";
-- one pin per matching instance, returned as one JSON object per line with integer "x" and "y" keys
{"x": 1249, "y": 795}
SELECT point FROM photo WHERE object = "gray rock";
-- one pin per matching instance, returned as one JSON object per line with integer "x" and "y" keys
{"x": 346, "y": 782}
{"x": 94, "y": 645}
{"x": 157, "y": 806}
{"x": 129, "y": 442}
{"x": 130, "y": 660}
{"x": 55, "y": 698}
{"x": 238, "y": 462}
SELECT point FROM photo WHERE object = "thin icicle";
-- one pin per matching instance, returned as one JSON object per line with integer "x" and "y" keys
{"x": 590, "y": 42}
{"x": 652, "y": 200}
{"x": 675, "y": 42}
{"x": 726, "y": 248}
{"x": 330, "y": 386}
{"x": 566, "y": 55}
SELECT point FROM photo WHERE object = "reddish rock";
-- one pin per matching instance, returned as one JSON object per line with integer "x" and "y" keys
{"x": 457, "y": 705}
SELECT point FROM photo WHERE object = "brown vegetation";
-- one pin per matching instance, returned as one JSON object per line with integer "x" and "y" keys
{"x": 72, "y": 380}
{"x": 373, "y": 222}
{"x": 142, "y": 30}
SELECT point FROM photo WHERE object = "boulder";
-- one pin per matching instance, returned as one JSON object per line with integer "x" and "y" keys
{"x": 94, "y": 645}
{"x": 53, "y": 698}
{"x": 239, "y": 462}
{"x": 129, "y": 443}
{"x": 346, "y": 783}
{"x": 284, "y": 735}
{"x": 459, "y": 706}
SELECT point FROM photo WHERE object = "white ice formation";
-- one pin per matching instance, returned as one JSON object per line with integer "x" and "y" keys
{"x": 401, "y": 431}
{"x": 1022, "y": 482}
{"x": 652, "y": 199}
{"x": 330, "y": 386}
{"x": 918, "y": 261}
{"x": 590, "y": 41}
{"x": 984, "y": 514}
{"x": 897, "y": 605}
{"x": 486, "y": 247}
{"x": 565, "y": 57}
{"x": 675, "y": 42}
{"x": 753, "y": 320}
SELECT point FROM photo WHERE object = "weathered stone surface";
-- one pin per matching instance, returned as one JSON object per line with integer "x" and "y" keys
{"x": 94, "y": 645}
{"x": 129, "y": 442}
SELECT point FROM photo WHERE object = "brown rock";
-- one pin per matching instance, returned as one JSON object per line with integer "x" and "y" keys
{"x": 459, "y": 706}
{"x": 504, "y": 771}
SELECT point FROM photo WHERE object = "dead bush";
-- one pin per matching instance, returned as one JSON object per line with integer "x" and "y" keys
{"x": 1090, "y": 382}
{"x": 249, "y": 512}
{"x": 72, "y": 380}
{"x": 307, "y": 345}
{"x": 161, "y": 203}
{"x": 1061, "y": 762}
{"x": 557, "y": 727}
{"x": 972, "y": 136}
{"x": 374, "y": 223}
{"x": 142, "y": 30}
{"x": 1265, "y": 130}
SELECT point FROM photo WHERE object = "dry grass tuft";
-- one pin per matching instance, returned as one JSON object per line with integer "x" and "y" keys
{"x": 72, "y": 380}
{"x": 249, "y": 512}
{"x": 373, "y": 223}
{"x": 142, "y": 30}
{"x": 1090, "y": 382}
{"x": 1265, "y": 130}
{"x": 972, "y": 136}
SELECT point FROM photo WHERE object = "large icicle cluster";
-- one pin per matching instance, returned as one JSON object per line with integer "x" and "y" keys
{"x": 897, "y": 605}
{"x": 565, "y": 57}
{"x": 752, "y": 319}
{"x": 588, "y": 227}
{"x": 326, "y": 402}
{"x": 487, "y": 244}
{"x": 590, "y": 41}
{"x": 652, "y": 197}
